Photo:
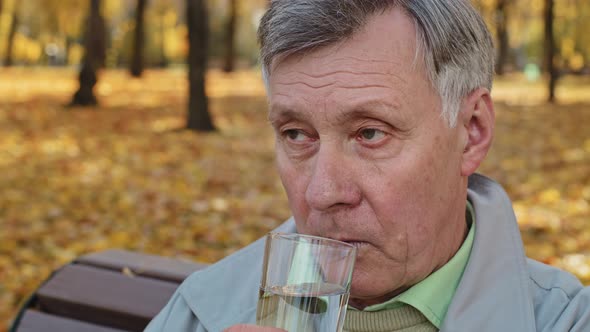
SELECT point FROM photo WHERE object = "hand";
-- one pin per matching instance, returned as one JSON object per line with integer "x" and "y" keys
{"x": 252, "y": 328}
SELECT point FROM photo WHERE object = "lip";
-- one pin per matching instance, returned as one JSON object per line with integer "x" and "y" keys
{"x": 356, "y": 243}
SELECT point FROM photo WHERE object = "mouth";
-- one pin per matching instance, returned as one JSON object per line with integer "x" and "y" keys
{"x": 357, "y": 244}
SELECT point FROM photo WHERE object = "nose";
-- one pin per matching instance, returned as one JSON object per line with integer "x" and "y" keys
{"x": 332, "y": 183}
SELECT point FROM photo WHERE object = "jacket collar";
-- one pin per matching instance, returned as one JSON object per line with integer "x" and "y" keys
{"x": 493, "y": 294}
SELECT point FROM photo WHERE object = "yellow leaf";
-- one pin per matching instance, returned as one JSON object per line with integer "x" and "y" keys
{"x": 549, "y": 196}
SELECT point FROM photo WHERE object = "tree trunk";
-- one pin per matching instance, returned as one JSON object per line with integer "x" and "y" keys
{"x": 137, "y": 61}
{"x": 502, "y": 35}
{"x": 198, "y": 114}
{"x": 229, "y": 62}
{"x": 8, "y": 60}
{"x": 95, "y": 45}
{"x": 163, "y": 59}
{"x": 68, "y": 45}
{"x": 550, "y": 49}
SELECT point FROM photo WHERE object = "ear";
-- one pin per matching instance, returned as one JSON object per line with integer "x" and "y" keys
{"x": 477, "y": 118}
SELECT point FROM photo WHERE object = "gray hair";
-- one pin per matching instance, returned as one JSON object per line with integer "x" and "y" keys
{"x": 457, "y": 47}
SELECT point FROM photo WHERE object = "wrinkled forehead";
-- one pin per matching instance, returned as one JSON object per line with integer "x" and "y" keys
{"x": 386, "y": 37}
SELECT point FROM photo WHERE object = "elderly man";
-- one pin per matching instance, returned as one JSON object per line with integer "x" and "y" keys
{"x": 382, "y": 113}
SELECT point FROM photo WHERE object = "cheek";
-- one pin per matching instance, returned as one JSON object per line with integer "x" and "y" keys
{"x": 421, "y": 236}
{"x": 403, "y": 204}
{"x": 294, "y": 181}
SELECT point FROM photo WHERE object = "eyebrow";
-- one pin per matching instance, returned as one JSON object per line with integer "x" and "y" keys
{"x": 365, "y": 109}
{"x": 278, "y": 113}
{"x": 371, "y": 108}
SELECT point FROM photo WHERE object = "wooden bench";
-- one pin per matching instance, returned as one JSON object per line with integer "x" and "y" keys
{"x": 109, "y": 291}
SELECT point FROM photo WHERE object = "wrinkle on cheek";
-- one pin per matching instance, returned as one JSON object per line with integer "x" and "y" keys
{"x": 407, "y": 243}
{"x": 378, "y": 173}
{"x": 407, "y": 255}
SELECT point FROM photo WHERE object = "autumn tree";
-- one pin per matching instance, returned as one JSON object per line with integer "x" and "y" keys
{"x": 63, "y": 20}
{"x": 198, "y": 35}
{"x": 94, "y": 57}
{"x": 1, "y": 4}
{"x": 162, "y": 10}
{"x": 163, "y": 62}
{"x": 8, "y": 60}
{"x": 502, "y": 35}
{"x": 136, "y": 67}
{"x": 230, "y": 37}
{"x": 550, "y": 48}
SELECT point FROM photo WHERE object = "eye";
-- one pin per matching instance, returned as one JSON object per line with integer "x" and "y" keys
{"x": 371, "y": 134}
{"x": 295, "y": 135}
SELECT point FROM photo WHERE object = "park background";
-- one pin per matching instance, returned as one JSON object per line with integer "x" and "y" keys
{"x": 139, "y": 162}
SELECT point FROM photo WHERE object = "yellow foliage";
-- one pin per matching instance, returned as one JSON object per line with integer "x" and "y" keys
{"x": 75, "y": 54}
{"x": 170, "y": 18}
{"x": 27, "y": 49}
{"x": 177, "y": 42}
{"x": 577, "y": 61}
{"x": 549, "y": 196}
{"x": 76, "y": 181}
{"x": 567, "y": 47}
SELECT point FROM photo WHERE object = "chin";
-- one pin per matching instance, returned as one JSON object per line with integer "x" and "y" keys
{"x": 360, "y": 300}
{"x": 365, "y": 287}
{"x": 362, "y": 287}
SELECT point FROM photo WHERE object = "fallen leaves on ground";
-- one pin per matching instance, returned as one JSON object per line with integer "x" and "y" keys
{"x": 123, "y": 174}
{"x": 541, "y": 155}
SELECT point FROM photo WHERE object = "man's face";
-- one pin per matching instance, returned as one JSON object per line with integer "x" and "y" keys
{"x": 366, "y": 157}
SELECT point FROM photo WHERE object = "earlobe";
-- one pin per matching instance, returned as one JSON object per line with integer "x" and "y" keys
{"x": 478, "y": 122}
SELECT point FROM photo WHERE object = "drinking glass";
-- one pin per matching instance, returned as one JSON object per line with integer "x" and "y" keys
{"x": 305, "y": 283}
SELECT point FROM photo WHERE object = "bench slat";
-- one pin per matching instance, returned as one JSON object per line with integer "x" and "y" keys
{"x": 104, "y": 297}
{"x": 35, "y": 321}
{"x": 141, "y": 264}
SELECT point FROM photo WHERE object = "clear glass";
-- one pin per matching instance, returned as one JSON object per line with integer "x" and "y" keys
{"x": 305, "y": 283}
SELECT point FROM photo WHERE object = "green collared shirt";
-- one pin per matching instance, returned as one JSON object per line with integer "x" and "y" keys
{"x": 432, "y": 296}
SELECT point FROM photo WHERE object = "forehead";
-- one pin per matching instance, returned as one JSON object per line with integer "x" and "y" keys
{"x": 387, "y": 38}
{"x": 378, "y": 62}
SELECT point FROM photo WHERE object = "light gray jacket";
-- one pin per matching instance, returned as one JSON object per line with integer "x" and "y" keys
{"x": 501, "y": 290}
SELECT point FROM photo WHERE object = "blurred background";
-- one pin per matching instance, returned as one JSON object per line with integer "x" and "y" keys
{"x": 141, "y": 124}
